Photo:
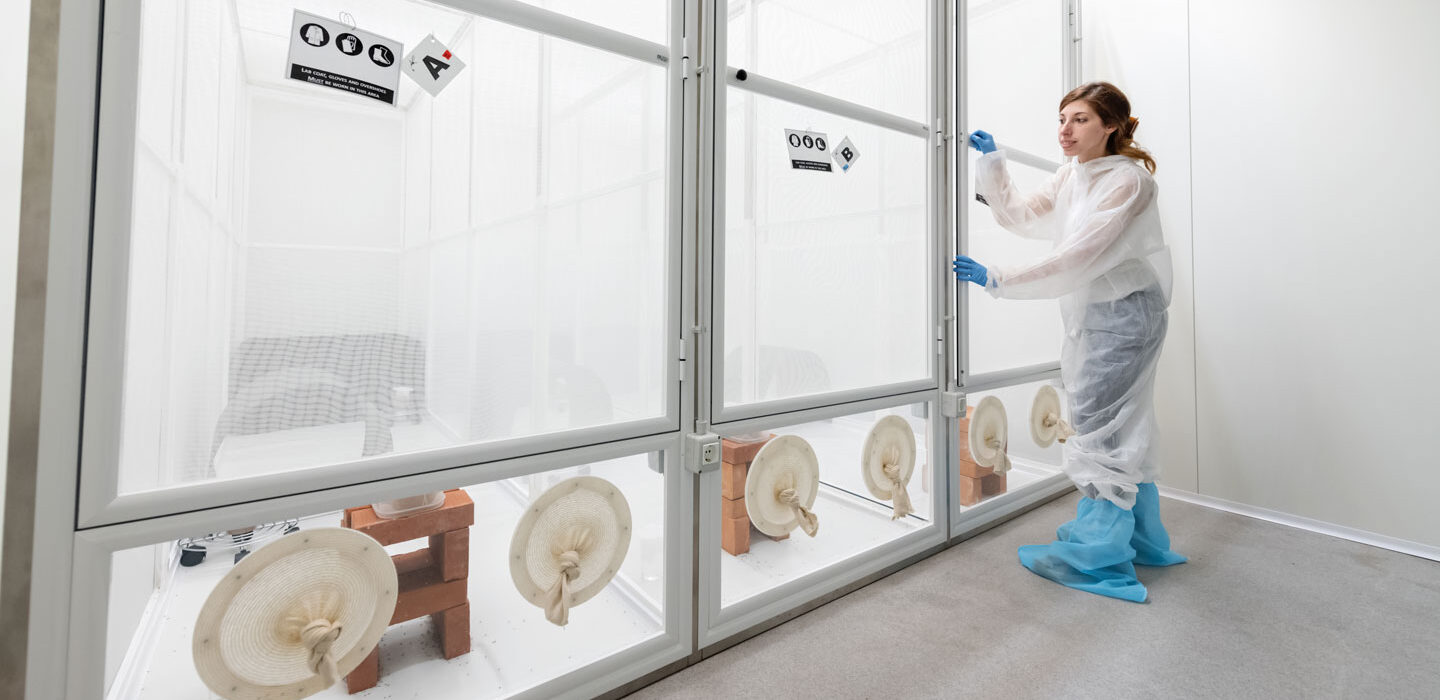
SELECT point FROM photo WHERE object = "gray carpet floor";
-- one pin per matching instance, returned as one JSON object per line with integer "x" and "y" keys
{"x": 1260, "y": 611}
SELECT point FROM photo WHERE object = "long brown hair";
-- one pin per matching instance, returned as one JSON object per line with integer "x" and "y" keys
{"x": 1113, "y": 108}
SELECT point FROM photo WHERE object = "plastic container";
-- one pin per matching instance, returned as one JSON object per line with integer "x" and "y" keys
{"x": 409, "y": 505}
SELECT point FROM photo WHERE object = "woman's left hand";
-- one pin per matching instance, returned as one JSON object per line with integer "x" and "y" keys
{"x": 967, "y": 270}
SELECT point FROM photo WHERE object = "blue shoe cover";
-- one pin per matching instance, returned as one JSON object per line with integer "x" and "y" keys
{"x": 1094, "y": 553}
{"x": 1151, "y": 542}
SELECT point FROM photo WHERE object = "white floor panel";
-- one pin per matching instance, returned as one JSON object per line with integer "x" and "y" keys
{"x": 848, "y": 526}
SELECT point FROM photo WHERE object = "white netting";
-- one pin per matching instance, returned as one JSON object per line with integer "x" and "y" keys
{"x": 316, "y": 277}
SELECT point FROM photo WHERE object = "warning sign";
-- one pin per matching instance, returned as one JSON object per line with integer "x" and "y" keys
{"x": 432, "y": 66}
{"x": 335, "y": 55}
{"x": 809, "y": 150}
{"x": 846, "y": 154}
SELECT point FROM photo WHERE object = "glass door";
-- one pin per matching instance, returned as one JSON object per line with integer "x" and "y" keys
{"x": 824, "y": 259}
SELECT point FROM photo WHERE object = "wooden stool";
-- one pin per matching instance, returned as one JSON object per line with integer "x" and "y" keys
{"x": 433, "y": 581}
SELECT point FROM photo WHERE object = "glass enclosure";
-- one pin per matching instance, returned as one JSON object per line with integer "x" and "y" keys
{"x": 316, "y": 277}
{"x": 1016, "y": 100}
{"x": 300, "y": 293}
{"x": 862, "y": 52}
{"x": 157, "y": 591}
{"x": 826, "y": 267}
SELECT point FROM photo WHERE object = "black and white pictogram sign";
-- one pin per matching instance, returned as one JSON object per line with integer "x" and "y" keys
{"x": 314, "y": 34}
{"x": 335, "y": 55}
{"x": 846, "y": 154}
{"x": 349, "y": 44}
{"x": 809, "y": 150}
{"x": 381, "y": 56}
{"x": 432, "y": 66}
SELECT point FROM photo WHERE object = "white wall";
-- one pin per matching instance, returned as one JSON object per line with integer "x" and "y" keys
{"x": 1315, "y": 250}
{"x": 324, "y": 217}
{"x": 1300, "y": 312}
{"x": 15, "y": 14}
{"x": 1141, "y": 47}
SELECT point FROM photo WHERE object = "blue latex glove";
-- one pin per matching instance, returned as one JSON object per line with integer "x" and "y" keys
{"x": 982, "y": 141}
{"x": 967, "y": 270}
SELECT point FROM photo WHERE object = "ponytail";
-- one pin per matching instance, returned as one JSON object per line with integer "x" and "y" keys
{"x": 1122, "y": 143}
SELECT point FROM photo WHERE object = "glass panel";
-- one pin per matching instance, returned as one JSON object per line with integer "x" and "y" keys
{"x": 1009, "y": 333}
{"x": 1018, "y": 98}
{"x": 157, "y": 592}
{"x": 317, "y": 277}
{"x": 825, "y": 273}
{"x": 852, "y": 518}
{"x": 862, "y": 51}
{"x": 1017, "y": 101}
{"x": 1029, "y": 462}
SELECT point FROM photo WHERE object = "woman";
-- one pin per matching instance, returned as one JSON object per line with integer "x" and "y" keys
{"x": 1110, "y": 269}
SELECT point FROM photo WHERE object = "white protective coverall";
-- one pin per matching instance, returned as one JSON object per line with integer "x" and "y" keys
{"x": 1110, "y": 269}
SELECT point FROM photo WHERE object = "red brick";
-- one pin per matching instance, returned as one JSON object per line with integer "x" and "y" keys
{"x": 969, "y": 468}
{"x": 423, "y": 593}
{"x": 733, "y": 508}
{"x": 992, "y": 485}
{"x": 735, "y": 535}
{"x": 732, "y": 480}
{"x": 453, "y": 626}
{"x": 433, "y": 580}
{"x": 741, "y": 452}
{"x": 452, "y": 552}
{"x": 413, "y": 561}
{"x": 458, "y": 512}
{"x": 366, "y": 675}
{"x": 970, "y": 491}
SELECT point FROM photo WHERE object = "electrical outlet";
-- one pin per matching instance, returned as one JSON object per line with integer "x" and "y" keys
{"x": 702, "y": 452}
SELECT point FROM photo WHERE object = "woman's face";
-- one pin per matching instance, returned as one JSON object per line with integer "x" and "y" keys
{"x": 1081, "y": 132}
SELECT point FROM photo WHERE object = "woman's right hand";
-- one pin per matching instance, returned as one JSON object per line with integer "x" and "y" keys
{"x": 982, "y": 141}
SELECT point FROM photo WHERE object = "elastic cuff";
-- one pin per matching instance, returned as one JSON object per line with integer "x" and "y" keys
{"x": 992, "y": 282}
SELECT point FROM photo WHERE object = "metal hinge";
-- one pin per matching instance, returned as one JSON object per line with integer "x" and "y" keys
{"x": 952, "y": 404}
{"x": 683, "y": 354}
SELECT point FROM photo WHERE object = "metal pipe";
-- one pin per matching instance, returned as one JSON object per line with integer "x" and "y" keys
{"x": 769, "y": 87}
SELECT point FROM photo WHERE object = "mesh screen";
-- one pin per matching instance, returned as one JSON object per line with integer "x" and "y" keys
{"x": 316, "y": 277}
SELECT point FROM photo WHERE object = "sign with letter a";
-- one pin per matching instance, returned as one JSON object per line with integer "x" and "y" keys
{"x": 432, "y": 66}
